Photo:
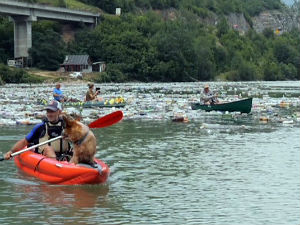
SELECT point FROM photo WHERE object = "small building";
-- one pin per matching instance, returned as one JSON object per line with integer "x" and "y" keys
{"x": 118, "y": 11}
{"x": 77, "y": 63}
{"x": 99, "y": 66}
{"x": 17, "y": 62}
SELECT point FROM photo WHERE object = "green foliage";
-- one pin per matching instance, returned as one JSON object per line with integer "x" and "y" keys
{"x": 62, "y": 3}
{"x": 6, "y": 40}
{"x": 284, "y": 52}
{"x": 15, "y": 75}
{"x": 268, "y": 33}
{"x": 173, "y": 45}
{"x": 254, "y": 7}
{"x": 146, "y": 48}
{"x": 289, "y": 71}
{"x": 222, "y": 27}
{"x": 271, "y": 71}
{"x": 201, "y": 8}
{"x": 48, "y": 48}
{"x": 248, "y": 19}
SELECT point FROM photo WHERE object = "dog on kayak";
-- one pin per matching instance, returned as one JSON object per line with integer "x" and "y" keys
{"x": 83, "y": 139}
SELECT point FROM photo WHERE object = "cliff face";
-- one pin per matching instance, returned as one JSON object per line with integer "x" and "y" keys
{"x": 283, "y": 21}
{"x": 238, "y": 22}
{"x": 276, "y": 20}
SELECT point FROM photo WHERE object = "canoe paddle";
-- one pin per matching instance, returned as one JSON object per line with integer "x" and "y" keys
{"x": 102, "y": 122}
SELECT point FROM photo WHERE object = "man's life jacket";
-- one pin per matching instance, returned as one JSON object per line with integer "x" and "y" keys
{"x": 52, "y": 130}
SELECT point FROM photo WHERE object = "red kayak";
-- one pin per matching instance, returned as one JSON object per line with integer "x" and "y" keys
{"x": 61, "y": 172}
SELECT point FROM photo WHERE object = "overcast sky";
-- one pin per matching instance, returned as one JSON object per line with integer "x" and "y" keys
{"x": 288, "y": 2}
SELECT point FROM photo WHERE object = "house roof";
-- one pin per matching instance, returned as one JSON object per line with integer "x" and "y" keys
{"x": 76, "y": 60}
{"x": 101, "y": 62}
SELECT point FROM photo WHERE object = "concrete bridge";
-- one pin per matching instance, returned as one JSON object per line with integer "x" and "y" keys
{"x": 23, "y": 14}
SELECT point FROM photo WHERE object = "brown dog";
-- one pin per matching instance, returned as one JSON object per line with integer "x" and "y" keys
{"x": 84, "y": 141}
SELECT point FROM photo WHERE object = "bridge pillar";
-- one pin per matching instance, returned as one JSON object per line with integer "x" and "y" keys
{"x": 22, "y": 35}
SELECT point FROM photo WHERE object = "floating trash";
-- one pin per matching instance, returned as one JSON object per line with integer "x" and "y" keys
{"x": 276, "y": 102}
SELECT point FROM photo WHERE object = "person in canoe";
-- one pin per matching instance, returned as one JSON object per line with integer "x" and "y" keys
{"x": 51, "y": 127}
{"x": 92, "y": 95}
{"x": 58, "y": 93}
{"x": 208, "y": 97}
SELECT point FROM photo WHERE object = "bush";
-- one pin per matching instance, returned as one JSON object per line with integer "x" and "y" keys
{"x": 102, "y": 78}
{"x": 232, "y": 76}
{"x": 246, "y": 71}
{"x": 114, "y": 73}
{"x": 15, "y": 75}
{"x": 271, "y": 71}
{"x": 268, "y": 33}
{"x": 289, "y": 71}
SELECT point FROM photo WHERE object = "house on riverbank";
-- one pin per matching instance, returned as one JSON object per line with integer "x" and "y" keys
{"x": 77, "y": 63}
{"x": 81, "y": 63}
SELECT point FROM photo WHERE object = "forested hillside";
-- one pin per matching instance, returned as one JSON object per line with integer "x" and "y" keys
{"x": 167, "y": 40}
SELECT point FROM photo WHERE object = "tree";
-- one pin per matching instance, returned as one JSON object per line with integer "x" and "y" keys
{"x": 271, "y": 71}
{"x": 48, "y": 49}
{"x": 222, "y": 27}
{"x": 6, "y": 40}
{"x": 283, "y": 51}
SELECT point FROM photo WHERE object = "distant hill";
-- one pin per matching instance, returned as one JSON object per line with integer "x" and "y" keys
{"x": 203, "y": 7}
{"x": 242, "y": 14}
{"x": 171, "y": 40}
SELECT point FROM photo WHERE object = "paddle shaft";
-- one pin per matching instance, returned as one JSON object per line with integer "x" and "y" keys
{"x": 32, "y": 147}
{"x": 35, "y": 146}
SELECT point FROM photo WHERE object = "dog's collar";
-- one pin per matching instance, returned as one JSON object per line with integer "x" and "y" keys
{"x": 80, "y": 141}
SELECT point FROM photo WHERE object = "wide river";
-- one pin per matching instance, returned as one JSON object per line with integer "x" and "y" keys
{"x": 215, "y": 169}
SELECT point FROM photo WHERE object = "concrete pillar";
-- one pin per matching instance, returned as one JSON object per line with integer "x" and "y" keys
{"x": 22, "y": 35}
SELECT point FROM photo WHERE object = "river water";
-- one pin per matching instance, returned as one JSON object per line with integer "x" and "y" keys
{"x": 218, "y": 168}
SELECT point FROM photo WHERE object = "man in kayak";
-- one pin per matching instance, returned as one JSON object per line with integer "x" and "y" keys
{"x": 51, "y": 127}
{"x": 208, "y": 97}
{"x": 58, "y": 93}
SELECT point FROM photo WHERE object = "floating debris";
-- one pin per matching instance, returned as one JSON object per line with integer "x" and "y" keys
{"x": 273, "y": 102}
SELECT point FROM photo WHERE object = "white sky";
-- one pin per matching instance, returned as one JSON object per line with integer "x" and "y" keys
{"x": 288, "y": 2}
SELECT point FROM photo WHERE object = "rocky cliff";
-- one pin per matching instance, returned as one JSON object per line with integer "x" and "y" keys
{"x": 279, "y": 21}
{"x": 276, "y": 20}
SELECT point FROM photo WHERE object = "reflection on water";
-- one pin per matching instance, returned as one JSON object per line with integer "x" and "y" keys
{"x": 68, "y": 196}
{"x": 35, "y": 202}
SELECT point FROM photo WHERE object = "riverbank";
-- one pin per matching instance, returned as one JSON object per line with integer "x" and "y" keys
{"x": 57, "y": 76}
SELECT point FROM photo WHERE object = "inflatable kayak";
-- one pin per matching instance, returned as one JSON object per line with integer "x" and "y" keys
{"x": 61, "y": 172}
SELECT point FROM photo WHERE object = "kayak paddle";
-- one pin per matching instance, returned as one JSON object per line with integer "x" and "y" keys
{"x": 107, "y": 120}
{"x": 32, "y": 147}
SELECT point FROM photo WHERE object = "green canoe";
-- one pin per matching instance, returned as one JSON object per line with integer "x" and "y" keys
{"x": 243, "y": 106}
